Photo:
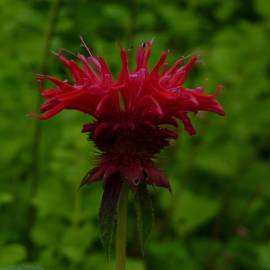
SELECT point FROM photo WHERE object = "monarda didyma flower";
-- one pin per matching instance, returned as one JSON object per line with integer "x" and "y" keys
{"x": 129, "y": 113}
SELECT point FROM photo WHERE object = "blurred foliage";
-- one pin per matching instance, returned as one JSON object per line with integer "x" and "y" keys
{"x": 218, "y": 214}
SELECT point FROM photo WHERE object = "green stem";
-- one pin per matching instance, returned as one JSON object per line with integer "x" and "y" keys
{"x": 121, "y": 229}
{"x": 37, "y": 129}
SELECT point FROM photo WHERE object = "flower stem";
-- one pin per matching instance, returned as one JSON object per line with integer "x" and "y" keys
{"x": 121, "y": 229}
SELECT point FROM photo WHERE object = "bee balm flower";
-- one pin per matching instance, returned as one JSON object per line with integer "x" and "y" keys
{"x": 129, "y": 112}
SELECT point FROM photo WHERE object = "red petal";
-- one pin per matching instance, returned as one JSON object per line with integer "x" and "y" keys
{"x": 187, "y": 123}
{"x": 94, "y": 175}
{"x": 132, "y": 172}
{"x": 156, "y": 177}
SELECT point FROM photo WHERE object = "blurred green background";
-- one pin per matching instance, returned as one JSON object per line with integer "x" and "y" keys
{"x": 218, "y": 216}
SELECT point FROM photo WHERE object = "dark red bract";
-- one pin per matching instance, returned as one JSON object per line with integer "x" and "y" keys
{"x": 129, "y": 112}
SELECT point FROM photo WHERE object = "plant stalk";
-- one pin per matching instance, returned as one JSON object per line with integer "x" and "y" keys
{"x": 121, "y": 229}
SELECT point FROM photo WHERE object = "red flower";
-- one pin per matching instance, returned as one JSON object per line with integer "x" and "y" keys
{"x": 129, "y": 112}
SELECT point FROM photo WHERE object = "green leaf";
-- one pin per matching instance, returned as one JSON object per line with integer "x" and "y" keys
{"x": 169, "y": 255}
{"x": 76, "y": 240}
{"x": 96, "y": 261}
{"x": 107, "y": 213}
{"x": 22, "y": 267}
{"x": 10, "y": 254}
{"x": 133, "y": 264}
{"x": 193, "y": 211}
{"x": 6, "y": 198}
{"x": 144, "y": 211}
{"x": 263, "y": 254}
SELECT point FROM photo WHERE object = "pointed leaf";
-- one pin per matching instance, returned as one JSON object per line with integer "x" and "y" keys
{"x": 144, "y": 211}
{"x": 107, "y": 214}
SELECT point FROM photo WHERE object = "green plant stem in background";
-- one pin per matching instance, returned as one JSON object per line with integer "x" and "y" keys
{"x": 121, "y": 229}
{"x": 37, "y": 132}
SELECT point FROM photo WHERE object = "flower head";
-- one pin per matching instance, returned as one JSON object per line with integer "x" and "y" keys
{"x": 129, "y": 112}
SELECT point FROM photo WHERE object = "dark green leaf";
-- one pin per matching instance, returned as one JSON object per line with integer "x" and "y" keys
{"x": 107, "y": 214}
{"x": 144, "y": 211}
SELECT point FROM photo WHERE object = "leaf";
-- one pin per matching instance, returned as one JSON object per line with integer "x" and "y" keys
{"x": 169, "y": 255}
{"x": 22, "y": 267}
{"x": 217, "y": 161}
{"x": 6, "y": 198}
{"x": 144, "y": 211}
{"x": 10, "y": 254}
{"x": 107, "y": 214}
{"x": 133, "y": 264}
{"x": 263, "y": 255}
{"x": 96, "y": 261}
{"x": 75, "y": 242}
{"x": 193, "y": 211}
